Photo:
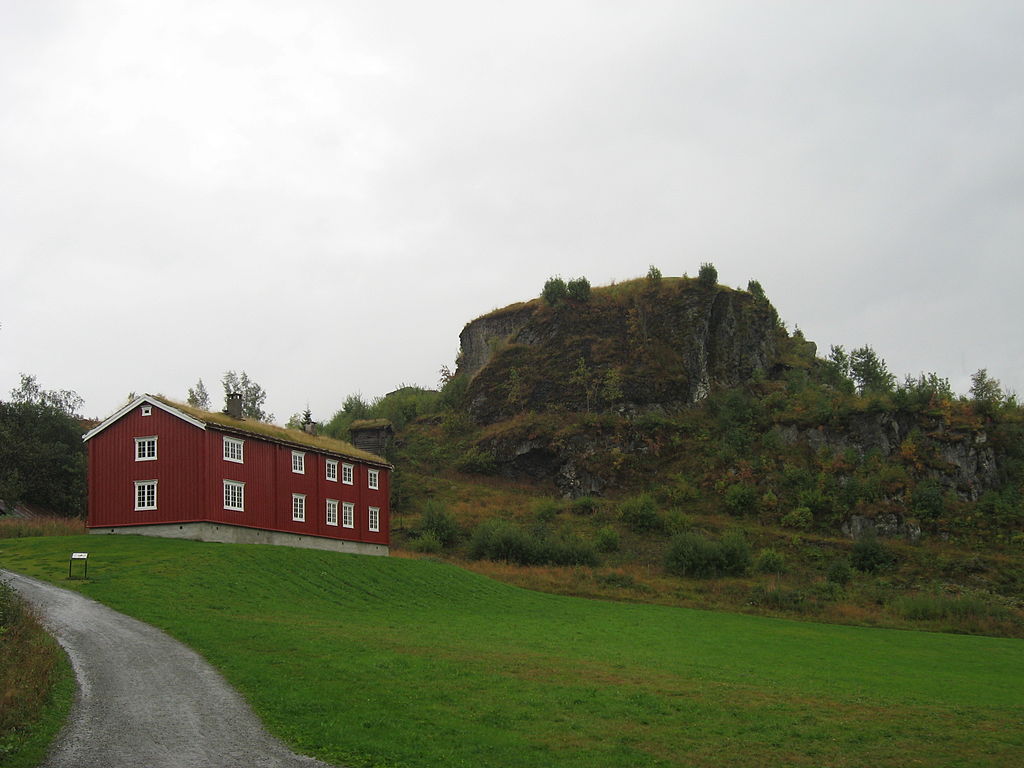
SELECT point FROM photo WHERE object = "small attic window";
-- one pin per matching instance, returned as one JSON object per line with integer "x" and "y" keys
{"x": 147, "y": 410}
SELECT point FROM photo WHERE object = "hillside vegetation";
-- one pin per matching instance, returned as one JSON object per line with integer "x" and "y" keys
{"x": 393, "y": 662}
{"x": 668, "y": 440}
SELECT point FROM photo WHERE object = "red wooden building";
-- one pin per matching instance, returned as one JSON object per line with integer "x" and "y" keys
{"x": 162, "y": 468}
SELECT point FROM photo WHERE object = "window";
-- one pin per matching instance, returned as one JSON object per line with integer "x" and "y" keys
{"x": 374, "y": 521}
{"x": 299, "y": 462}
{"x": 233, "y": 450}
{"x": 145, "y": 494}
{"x": 371, "y": 478}
{"x": 332, "y": 512}
{"x": 145, "y": 448}
{"x": 346, "y": 474}
{"x": 348, "y": 510}
{"x": 234, "y": 496}
{"x": 147, "y": 410}
{"x": 298, "y": 507}
{"x": 332, "y": 470}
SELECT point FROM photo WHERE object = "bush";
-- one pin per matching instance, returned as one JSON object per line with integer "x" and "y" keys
{"x": 869, "y": 555}
{"x": 741, "y": 499}
{"x": 708, "y": 275}
{"x": 939, "y": 607}
{"x": 608, "y": 539}
{"x": 839, "y": 572}
{"x": 799, "y": 518}
{"x": 555, "y": 290}
{"x": 770, "y": 561}
{"x": 578, "y": 289}
{"x": 653, "y": 275}
{"x": 691, "y": 554}
{"x": 640, "y": 515}
{"x": 439, "y": 523}
{"x": 427, "y": 543}
{"x": 585, "y": 505}
{"x": 778, "y": 598}
{"x": 545, "y": 510}
{"x": 502, "y": 540}
{"x": 477, "y": 462}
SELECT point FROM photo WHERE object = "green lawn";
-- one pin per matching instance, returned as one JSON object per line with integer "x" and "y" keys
{"x": 389, "y": 662}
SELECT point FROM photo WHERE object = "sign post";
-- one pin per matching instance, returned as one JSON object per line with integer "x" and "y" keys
{"x": 84, "y": 557}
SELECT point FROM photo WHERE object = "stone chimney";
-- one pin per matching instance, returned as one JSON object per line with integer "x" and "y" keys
{"x": 234, "y": 405}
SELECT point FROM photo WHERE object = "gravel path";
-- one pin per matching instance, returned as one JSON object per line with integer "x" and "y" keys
{"x": 145, "y": 699}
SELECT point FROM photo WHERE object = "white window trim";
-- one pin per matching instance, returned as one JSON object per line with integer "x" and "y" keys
{"x": 140, "y": 441}
{"x": 234, "y": 442}
{"x": 298, "y": 507}
{"x": 347, "y": 474}
{"x": 373, "y": 479}
{"x": 332, "y": 511}
{"x": 299, "y": 461}
{"x": 373, "y": 519}
{"x": 329, "y": 465}
{"x": 240, "y": 487}
{"x": 348, "y": 514}
{"x": 138, "y": 485}
{"x": 147, "y": 410}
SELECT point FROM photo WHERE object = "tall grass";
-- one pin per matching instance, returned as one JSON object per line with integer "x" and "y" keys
{"x": 16, "y": 527}
{"x": 36, "y": 684}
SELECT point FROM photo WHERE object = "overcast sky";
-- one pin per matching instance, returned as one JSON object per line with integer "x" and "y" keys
{"x": 323, "y": 193}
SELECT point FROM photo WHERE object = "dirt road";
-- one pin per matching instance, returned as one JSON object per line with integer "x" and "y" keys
{"x": 144, "y": 699}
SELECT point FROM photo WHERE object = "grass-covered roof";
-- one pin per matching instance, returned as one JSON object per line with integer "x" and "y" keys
{"x": 275, "y": 433}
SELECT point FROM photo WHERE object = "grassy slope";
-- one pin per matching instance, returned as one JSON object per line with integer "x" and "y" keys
{"x": 394, "y": 662}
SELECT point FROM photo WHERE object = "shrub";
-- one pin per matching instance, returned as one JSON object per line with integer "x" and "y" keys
{"x": 778, "y": 598}
{"x": 741, "y": 499}
{"x": 755, "y": 289}
{"x": 869, "y": 554}
{"x": 770, "y": 561}
{"x": 476, "y": 461}
{"x": 708, "y": 275}
{"x": 555, "y": 290}
{"x": 839, "y": 572}
{"x": 799, "y": 518}
{"x": 439, "y": 523}
{"x": 578, "y": 289}
{"x": 691, "y": 554}
{"x": 653, "y": 275}
{"x": 585, "y": 505}
{"x": 938, "y": 607}
{"x": 497, "y": 539}
{"x": 546, "y": 510}
{"x": 607, "y": 539}
{"x": 427, "y": 543}
{"x": 640, "y": 515}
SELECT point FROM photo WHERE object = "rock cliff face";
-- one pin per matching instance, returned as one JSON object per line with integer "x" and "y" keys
{"x": 635, "y": 348}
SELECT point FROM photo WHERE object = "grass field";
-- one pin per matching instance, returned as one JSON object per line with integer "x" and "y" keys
{"x": 394, "y": 662}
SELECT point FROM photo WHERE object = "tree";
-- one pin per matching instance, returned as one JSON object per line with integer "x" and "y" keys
{"x": 754, "y": 288}
{"x": 42, "y": 457}
{"x": 555, "y": 290}
{"x": 578, "y": 289}
{"x": 253, "y": 395}
{"x": 708, "y": 275}
{"x": 986, "y": 391}
{"x": 870, "y": 372}
{"x": 198, "y": 397}
{"x": 837, "y": 369}
{"x": 653, "y": 276}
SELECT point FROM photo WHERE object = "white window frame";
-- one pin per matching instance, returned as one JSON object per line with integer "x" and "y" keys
{"x": 140, "y": 487}
{"x": 373, "y": 479}
{"x": 140, "y": 448}
{"x": 298, "y": 462}
{"x": 348, "y": 514}
{"x": 347, "y": 474}
{"x": 234, "y": 449}
{"x": 331, "y": 470}
{"x": 298, "y": 507}
{"x": 373, "y": 519}
{"x": 332, "y": 512}
{"x": 147, "y": 410}
{"x": 234, "y": 490}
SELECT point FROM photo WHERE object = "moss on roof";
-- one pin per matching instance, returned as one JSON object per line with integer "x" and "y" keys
{"x": 275, "y": 433}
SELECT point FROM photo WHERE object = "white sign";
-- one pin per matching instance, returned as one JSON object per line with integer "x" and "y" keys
{"x": 79, "y": 555}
